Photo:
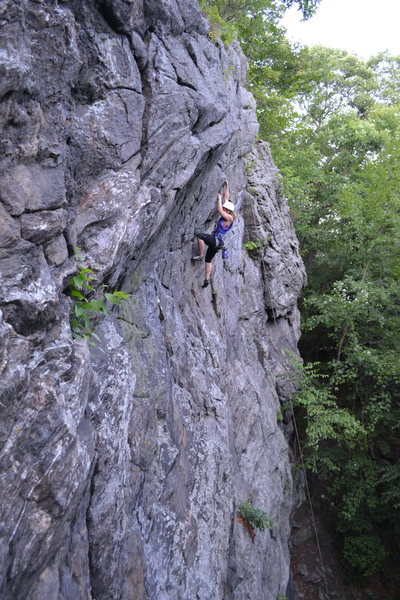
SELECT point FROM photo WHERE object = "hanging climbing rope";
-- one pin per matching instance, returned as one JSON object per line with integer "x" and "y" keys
{"x": 308, "y": 494}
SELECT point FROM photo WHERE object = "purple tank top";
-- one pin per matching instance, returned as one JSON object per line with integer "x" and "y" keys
{"x": 220, "y": 229}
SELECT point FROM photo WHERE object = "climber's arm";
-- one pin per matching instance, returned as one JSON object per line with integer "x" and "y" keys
{"x": 226, "y": 193}
{"x": 225, "y": 215}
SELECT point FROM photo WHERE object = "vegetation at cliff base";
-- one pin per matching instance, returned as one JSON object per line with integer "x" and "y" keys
{"x": 333, "y": 123}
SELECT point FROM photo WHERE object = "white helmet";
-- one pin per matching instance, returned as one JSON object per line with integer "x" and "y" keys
{"x": 229, "y": 206}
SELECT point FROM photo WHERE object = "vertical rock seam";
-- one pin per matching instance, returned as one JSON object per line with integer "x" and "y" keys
{"x": 123, "y": 463}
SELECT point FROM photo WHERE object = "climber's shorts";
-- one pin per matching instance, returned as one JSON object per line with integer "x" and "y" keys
{"x": 214, "y": 244}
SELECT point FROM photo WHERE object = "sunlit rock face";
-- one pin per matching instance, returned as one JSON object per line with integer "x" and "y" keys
{"x": 123, "y": 463}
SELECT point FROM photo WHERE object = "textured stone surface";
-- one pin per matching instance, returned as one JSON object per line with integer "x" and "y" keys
{"x": 122, "y": 465}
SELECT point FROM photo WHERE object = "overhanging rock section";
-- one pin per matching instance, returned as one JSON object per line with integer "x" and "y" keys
{"x": 123, "y": 464}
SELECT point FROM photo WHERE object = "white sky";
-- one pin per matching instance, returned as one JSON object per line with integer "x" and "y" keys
{"x": 362, "y": 27}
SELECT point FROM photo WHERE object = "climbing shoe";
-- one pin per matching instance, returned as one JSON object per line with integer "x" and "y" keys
{"x": 197, "y": 258}
{"x": 206, "y": 283}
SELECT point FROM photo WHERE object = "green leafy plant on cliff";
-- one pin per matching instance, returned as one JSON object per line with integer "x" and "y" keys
{"x": 254, "y": 247}
{"x": 256, "y": 517}
{"x": 220, "y": 29}
{"x": 249, "y": 165}
{"x": 87, "y": 301}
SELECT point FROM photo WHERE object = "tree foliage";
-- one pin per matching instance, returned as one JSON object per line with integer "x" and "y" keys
{"x": 253, "y": 22}
{"x": 333, "y": 124}
{"x": 339, "y": 154}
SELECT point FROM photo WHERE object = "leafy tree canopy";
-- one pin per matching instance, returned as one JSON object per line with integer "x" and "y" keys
{"x": 332, "y": 121}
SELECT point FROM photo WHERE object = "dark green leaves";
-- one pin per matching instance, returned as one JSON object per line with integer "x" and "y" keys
{"x": 88, "y": 301}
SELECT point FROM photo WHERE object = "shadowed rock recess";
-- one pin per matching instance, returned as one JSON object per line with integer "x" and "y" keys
{"x": 122, "y": 465}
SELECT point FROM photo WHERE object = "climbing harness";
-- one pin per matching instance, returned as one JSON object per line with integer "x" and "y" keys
{"x": 302, "y": 464}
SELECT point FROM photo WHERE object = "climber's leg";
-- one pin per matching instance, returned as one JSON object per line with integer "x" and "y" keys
{"x": 211, "y": 252}
{"x": 205, "y": 239}
{"x": 208, "y": 238}
{"x": 207, "y": 270}
{"x": 201, "y": 246}
{"x": 213, "y": 245}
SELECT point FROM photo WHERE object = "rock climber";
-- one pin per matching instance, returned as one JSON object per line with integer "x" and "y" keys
{"x": 215, "y": 240}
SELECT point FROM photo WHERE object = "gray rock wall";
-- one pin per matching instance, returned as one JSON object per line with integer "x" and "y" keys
{"x": 122, "y": 464}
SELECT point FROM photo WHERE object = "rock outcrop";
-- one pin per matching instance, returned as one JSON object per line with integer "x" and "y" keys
{"x": 123, "y": 463}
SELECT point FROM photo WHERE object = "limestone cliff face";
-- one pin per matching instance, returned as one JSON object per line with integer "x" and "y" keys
{"x": 123, "y": 464}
